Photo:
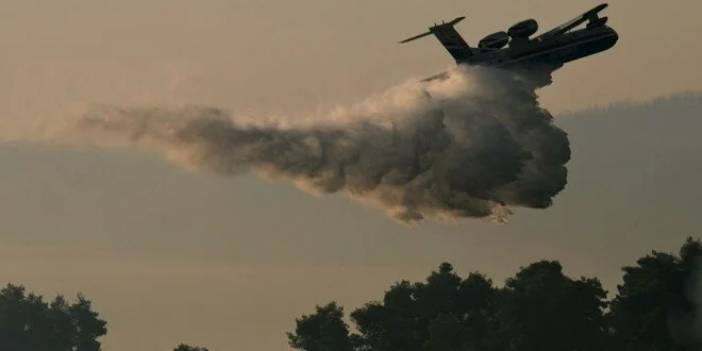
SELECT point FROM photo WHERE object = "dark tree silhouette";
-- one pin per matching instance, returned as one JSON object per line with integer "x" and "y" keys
{"x": 657, "y": 308}
{"x": 653, "y": 310}
{"x": 322, "y": 331}
{"x": 445, "y": 313}
{"x": 540, "y": 308}
{"x": 27, "y": 323}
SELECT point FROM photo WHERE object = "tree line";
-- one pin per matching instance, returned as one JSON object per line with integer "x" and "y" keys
{"x": 28, "y": 323}
{"x": 656, "y": 308}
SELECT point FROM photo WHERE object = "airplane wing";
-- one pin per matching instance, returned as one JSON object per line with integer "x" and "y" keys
{"x": 574, "y": 22}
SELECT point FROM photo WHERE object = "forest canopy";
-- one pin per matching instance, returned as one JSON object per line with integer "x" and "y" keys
{"x": 28, "y": 323}
{"x": 657, "y": 307}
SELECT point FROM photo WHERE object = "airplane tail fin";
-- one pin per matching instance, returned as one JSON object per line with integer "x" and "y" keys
{"x": 449, "y": 38}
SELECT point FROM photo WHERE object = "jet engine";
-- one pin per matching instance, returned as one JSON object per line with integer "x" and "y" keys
{"x": 494, "y": 41}
{"x": 523, "y": 29}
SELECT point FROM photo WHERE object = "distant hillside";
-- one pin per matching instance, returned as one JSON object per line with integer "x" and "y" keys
{"x": 639, "y": 130}
{"x": 635, "y": 171}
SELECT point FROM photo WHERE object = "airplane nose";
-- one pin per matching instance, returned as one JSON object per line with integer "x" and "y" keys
{"x": 613, "y": 37}
{"x": 614, "y": 32}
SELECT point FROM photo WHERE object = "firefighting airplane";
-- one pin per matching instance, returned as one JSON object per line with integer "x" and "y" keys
{"x": 515, "y": 49}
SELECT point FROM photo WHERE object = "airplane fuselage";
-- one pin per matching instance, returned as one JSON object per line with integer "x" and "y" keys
{"x": 549, "y": 52}
{"x": 516, "y": 49}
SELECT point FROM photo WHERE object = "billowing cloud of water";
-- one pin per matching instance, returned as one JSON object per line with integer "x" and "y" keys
{"x": 470, "y": 145}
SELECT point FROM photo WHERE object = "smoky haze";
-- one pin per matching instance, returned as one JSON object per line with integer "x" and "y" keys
{"x": 471, "y": 145}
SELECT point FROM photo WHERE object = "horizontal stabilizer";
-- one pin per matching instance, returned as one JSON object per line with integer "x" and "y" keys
{"x": 433, "y": 29}
{"x": 449, "y": 38}
{"x": 416, "y": 37}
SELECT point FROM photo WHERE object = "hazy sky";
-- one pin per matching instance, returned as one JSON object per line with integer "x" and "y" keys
{"x": 171, "y": 256}
{"x": 298, "y": 56}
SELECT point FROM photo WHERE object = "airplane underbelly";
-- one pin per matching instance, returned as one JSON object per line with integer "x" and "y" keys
{"x": 567, "y": 51}
{"x": 587, "y": 48}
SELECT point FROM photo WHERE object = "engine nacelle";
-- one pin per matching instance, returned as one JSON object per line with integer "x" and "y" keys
{"x": 494, "y": 41}
{"x": 523, "y": 29}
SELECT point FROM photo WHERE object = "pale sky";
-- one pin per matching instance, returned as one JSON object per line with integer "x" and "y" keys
{"x": 170, "y": 256}
{"x": 291, "y": 57}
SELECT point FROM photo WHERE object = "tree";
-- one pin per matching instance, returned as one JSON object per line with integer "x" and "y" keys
{"x": 443, "y": 313}
{"x": 653, "y": 310}
{"x": 542, "y": 309}
{"x": 538, "y": 309}
{"x": 323, "y": 331}
{"x": 27, "y": 323}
